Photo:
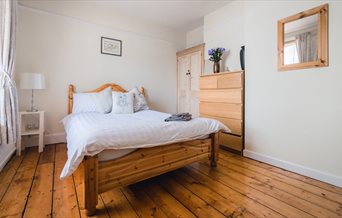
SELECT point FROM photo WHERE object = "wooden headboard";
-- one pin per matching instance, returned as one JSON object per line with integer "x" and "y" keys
{"x": 114, "y": 87}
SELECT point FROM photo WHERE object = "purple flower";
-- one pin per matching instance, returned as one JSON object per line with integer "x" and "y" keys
{"x": 216, "y": 53}
{"x": 211, "y": 51}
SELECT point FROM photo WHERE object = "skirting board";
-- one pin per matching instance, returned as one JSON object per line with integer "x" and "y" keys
{"x": 306, "y": 171}
{"x": 49, "y": 139}
{"x": 55, "y": 138}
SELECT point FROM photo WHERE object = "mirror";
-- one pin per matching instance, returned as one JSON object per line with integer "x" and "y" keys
{"x": 302, "y": 40}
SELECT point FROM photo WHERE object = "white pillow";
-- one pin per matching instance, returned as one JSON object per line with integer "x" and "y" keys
{"x": 93, "y": 102}
{"x": 122, "y": 103}
{"x": 139, "y": 102}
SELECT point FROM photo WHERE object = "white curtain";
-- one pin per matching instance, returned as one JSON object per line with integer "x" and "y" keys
{"x": 9, "y": 124}
{"x": 307, "y": 47}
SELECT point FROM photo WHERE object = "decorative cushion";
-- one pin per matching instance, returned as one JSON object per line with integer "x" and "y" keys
{"x": 122, "y": 103}
{"x": 139, "y": 103}
{"x": 93, "y": 102}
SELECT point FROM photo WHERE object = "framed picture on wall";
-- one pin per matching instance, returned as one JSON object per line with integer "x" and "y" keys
{"x": 111, "y": 46}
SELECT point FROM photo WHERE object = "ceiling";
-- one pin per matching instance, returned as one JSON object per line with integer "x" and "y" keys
{"x": 178, "y": 15}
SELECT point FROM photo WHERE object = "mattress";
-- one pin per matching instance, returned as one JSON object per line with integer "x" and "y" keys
{"x": 90, "y": 133}
{"x": 111, "y": 154}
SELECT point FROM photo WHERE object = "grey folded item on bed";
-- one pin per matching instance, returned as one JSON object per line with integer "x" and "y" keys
{"x": 179, "y": 117}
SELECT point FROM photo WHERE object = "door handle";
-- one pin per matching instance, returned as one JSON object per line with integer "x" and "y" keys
{"x": 188, "y": 73}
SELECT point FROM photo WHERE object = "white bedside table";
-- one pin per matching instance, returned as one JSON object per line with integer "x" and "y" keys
{"x": 26, "y": 132}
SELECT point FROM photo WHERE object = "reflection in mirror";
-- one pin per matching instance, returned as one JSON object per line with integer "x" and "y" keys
{"x": 300, "y": 40}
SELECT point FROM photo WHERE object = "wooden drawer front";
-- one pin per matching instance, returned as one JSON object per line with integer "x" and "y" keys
{"x": 233, "y": 111}
{"x": 208, "y": 82}
{"x": 228, "y": 81}
{"x": 234, "y": 125}
{"x": 233, "y": 96}
{"x": 231, "y": 141}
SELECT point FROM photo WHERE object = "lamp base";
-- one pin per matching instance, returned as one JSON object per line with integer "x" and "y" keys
{"x": 32, "y": 109}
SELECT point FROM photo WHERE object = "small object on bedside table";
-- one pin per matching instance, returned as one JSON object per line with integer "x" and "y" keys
{"x": 31, "y": 129}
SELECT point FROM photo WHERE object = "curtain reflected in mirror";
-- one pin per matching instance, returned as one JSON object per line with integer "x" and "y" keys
{"x": 300, "y": 40}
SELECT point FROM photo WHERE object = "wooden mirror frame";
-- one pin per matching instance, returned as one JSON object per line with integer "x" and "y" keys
{"x": 322, "y": 39}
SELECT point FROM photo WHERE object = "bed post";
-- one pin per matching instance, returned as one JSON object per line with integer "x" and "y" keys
{"x": 142, "y": 91}
{"x": 90, "y": 184}
{"x": 70, "y": 97}
{"x": 214, "y": 150}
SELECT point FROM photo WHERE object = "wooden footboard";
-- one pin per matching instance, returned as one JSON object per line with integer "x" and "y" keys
{"x": 142, "y": 164}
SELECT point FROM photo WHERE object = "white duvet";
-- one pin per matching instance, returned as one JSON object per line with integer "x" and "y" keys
{"x": 90, "y": 133}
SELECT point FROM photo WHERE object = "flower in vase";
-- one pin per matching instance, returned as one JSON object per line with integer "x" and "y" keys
{"x": 216, "y": 54}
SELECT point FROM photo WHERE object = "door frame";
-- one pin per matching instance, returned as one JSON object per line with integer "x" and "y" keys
{"x": 197, "y": 48}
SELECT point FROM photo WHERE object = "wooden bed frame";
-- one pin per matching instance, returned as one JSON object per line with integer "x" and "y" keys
{"x": 141, "y": 164}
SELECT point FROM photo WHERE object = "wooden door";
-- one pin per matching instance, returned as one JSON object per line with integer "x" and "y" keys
{"x": 183, "y": 84}
{"x": 195, "y": 73}
{"x": 189, "y": 71}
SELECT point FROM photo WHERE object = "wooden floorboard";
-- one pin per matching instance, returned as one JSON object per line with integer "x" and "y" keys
{"x": 262, "y": 198}
{"x": 225, "y": 205}
{"x": 170, "y": 206}
{"x": 14, "y": 201}
{"x": 288, "y": 174}
{"x": 239, "y": 163}
{"x": 276, "y": 192}
{"x": 65, "y": 202}
{"x": 320, "y": 198}
{"x": 41, "y": 191}
{"x": 8, "y": 173}
{"x": 238, "y": 187}
{"x": 117, "y": 204}
{"x": 190, "y": 200}
{"x": 142, "y": 203}
{"x": 252, "y": 204}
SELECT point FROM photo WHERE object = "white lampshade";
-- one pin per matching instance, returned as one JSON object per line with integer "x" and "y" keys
{"x": 32, "y": 81}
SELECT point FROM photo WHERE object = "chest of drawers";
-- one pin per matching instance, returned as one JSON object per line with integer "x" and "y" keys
{"x": 222, "y": 98}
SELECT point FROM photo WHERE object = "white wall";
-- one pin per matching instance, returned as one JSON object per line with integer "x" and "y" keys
{"x": 224, "y": 28}
{"x": 67, "y": 50}
{"x": 103, "y": 12}
{"x": 194, "y": 37}
{"x": 293, "y": 118}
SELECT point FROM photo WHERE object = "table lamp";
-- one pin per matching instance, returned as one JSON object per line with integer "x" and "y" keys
{"x": 32, "y": 81}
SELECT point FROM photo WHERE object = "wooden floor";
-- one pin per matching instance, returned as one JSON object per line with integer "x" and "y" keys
{"x": 238, "y": 187}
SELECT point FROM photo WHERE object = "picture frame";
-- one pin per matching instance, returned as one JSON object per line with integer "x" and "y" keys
{"x": 111, "y": 46}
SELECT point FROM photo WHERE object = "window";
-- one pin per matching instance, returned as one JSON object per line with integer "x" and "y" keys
{"x": 291, "y": 53}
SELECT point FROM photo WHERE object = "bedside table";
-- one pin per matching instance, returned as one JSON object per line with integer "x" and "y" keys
{"x": 31, "y": 131}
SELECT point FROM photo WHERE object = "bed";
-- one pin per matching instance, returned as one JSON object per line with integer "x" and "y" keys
{"x": 131, "y": 164}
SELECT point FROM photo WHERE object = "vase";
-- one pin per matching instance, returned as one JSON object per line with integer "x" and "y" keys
{"x": 216, "y": 67}
{"x": 242, "y": 57}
